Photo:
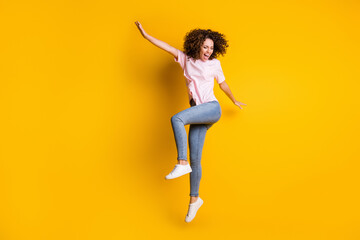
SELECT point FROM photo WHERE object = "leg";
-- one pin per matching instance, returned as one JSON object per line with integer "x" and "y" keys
{"x": 206, "y": 113}
{"x": 197, "y": 134}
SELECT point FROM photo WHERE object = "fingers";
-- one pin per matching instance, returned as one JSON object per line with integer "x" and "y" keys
{"x": 239, "y": 104}
{"x": 138, "y": 24}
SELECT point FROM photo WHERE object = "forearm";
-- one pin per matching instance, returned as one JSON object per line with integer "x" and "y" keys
{"x": 226, "y": 89}
{"x": 163, "y": 45}
{"x": 158, "y": 43}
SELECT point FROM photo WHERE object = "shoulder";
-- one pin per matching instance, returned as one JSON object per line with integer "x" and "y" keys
{"x": 180, "y": 53}
{"x": 214, "y": 62}
{"x": 181, "y": 57}
{"x": 185, "y": 56}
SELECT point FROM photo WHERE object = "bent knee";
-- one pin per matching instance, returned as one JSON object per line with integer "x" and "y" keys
{"x": 175, "y": 119}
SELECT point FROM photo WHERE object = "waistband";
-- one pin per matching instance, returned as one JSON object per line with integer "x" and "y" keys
{"x": 192, "y": 102}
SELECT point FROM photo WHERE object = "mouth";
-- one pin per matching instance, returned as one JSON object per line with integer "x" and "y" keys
{"x": 206, "y": 56}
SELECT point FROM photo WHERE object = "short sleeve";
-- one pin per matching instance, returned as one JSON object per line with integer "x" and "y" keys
{"x": 181, "y": 58}
{"x": 219, "y": 75}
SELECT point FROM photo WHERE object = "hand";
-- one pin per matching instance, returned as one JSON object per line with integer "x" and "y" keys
{"x": 142, "y": 31}
{"x": 237, "y": 103}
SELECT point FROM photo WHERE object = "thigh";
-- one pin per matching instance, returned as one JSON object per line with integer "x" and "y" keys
{"x": 206, "y": 113}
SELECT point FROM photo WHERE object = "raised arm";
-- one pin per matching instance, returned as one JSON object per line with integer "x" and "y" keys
{"x": 163, "y": 45}
{"x": 226, "y": 89}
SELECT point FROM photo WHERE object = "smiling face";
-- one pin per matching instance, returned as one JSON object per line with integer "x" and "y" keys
{"x": 206, "y": 49}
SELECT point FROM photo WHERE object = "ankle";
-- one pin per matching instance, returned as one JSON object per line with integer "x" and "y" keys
{"x": 183, "y": 162}
{"x": 193, "y": 199}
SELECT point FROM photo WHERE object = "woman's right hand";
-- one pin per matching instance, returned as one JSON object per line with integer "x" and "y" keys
{"x": 163, "y": 45}
{"x": 142, "y": 31}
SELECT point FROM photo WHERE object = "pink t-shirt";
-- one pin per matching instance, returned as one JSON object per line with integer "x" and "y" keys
{"x": 200, "y": 77}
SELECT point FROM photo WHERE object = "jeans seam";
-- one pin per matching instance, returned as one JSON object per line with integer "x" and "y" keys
{"x": 198, "y": 141}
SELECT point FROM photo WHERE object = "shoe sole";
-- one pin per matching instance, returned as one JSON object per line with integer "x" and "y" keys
{"x": 167, "y": 178}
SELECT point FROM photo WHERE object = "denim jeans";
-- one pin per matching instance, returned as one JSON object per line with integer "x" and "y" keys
{"x": 201, "y": 118}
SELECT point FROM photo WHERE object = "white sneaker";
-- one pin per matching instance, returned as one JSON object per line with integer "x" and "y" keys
{"x": 193, "y": 208}
{"x": 178, "y": 171}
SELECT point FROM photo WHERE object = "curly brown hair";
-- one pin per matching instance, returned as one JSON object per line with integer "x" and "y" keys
{"x": 195, "y": 39}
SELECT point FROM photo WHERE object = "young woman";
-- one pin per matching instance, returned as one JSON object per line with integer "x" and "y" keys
{"x": 201, "y": 48}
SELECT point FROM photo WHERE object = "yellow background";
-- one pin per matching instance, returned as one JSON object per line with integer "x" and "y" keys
{"x": 85, "y": 130}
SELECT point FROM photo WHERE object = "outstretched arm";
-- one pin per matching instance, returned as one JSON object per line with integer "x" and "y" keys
{"x": 157, "y": 42}
{"x": 226, "y": 89}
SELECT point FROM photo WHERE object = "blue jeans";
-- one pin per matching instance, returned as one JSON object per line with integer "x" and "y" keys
{"x": 201, "y": 118}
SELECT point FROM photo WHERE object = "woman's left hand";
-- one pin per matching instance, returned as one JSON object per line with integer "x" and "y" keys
{"x": 237, "y": 103}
